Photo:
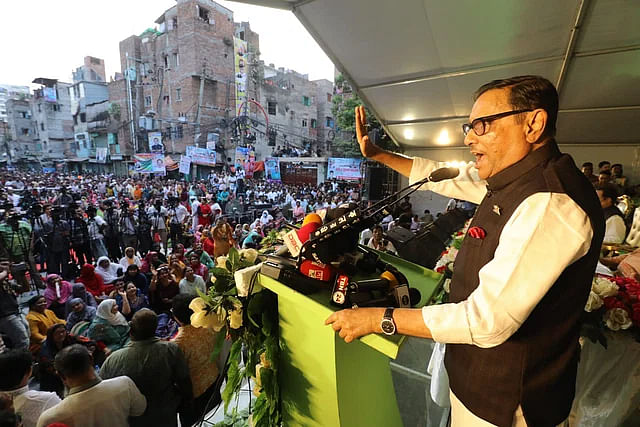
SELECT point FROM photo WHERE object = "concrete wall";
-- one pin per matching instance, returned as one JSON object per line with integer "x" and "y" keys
{"x": 627, "y": 155}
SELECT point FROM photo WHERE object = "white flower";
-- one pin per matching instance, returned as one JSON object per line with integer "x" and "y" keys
{"x": 604, "y": 287}
{"x": 244, "y": 278}
{"x": 201, "y": 319}
{"x": 593, "y": 303}
{"x": 249, "y": 254}
{"x": 235, "y": 318}
{"x": 221, "y": 262}
{"x": 446, "y": 285}
{"x": 617, "y": 318}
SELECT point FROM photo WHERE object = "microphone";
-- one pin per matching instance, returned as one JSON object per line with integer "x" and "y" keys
{"x": 385, "y": 282}
{"x": 296, "y": 238}
{"x": 317, "y": 271}
{"x": 442, "y": 174}
{"x": 400, "y": 297}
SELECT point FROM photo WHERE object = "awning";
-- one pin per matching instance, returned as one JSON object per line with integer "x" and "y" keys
{"x": 170, "y": 164}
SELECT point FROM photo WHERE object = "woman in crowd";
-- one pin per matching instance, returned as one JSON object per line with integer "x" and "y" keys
{"x": 162, "y": 289}
{"x": 109, "y": 326}
{"x": 199, "y": 268}
{"x": 191, "y": 282}
{"x": 178, "y": 253}
{"x": 57, "y": 293}
{"x": 150, "y": 262}
{"x": 40, "y": 320}
{"x": 222, "y": 235}
{"x": 130, "y": 300}
{"x": 379, "y": 243}
{"x": 109, "y": 271}
{"x": 92, "y": 282}
{"x": 80, "y": 312}
{"x": 134, "y": 276}
{"x": 57, "y": 339}
{"x": 78, "y": 290}
{"x": 130, "y": 258}
{"x": 204, "y": 257}
{"x": 208, "y": 244}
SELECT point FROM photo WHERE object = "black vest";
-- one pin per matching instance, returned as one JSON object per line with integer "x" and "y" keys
{"x": 612, "y": 211}
{"x": 536, "y": 367}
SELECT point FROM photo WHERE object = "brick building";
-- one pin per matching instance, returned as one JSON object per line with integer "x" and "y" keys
{"x": 10, "y": 92}
{"x": 21, "y": 133}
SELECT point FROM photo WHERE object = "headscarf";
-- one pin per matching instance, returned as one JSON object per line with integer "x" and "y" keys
{"x": 265, "y": 218}
{"x": 146, "y": 264}
{"x": 91, "y": 280}
{"x": 109, "y": 274}
{"x": 78, "y": 291}
{"x": 104, "y": 312}
{"x": 52, "y": 294}
{"x": 126, "y": 261}
{"x": 86, "y": 315}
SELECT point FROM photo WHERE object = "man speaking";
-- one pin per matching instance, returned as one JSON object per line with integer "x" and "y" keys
{"x": 523, "y": 274}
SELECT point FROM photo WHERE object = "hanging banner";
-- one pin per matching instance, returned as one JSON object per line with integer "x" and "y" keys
{"x": 101, "y": 154}
{"x": 201, "y": 156}
{"x": 185, "y": 165}
{"x": 212, "y": 140}
{"x": 241, "y": 68}
{"x": 155, "y": 142}
{"x": 272, "y": 168}
{"x": 148, "y": 163}
{"x": 344, "y": 168}
{"x": 244, "y": 154}
{"x": 50, "y": 94}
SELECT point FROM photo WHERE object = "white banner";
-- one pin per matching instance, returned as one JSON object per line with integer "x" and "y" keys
{"x": 185, "y": 165}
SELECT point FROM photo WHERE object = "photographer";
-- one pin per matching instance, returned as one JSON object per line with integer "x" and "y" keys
{"x": 144, "y": 230}
{"x": 96, "y": 226}
{"x": 112, "y": 230}
{"x": 57, "y": 239}
{"x": 80, "y": 242}
{"x": 177, "y": 216}
{"x": 13, "y": 328}
{"x": 158, "y": 215}
{"x": 129, "y": 227}
{"x": 16, "y": 240}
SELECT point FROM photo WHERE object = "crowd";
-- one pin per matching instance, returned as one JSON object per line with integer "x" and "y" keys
{"x": 105, "y": 268}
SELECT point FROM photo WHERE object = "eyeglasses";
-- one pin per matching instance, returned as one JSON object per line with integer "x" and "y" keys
{"x": 479, "y": 125}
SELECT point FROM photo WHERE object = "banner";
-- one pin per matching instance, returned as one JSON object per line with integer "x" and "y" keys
{"x": 272, "y": 168}
{"x": 185, "y": 165}
{"x": 148, "y": 163}
{"x": 344, "y": 168}
{"x": 201, "y": 156}
{"x": 101, "y": 154}
{"x": 50, "y": 94}
{"x": 212, "y": 140}
{"x": 241, "y": 68}
{"x": 155, "y": 142}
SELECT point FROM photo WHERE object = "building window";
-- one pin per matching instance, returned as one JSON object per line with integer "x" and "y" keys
{"x": 306, "y": 101}
{"x": 56, "y": 107}
{"x": 203, "y": 13}
{"x": 39, "y": 108}
{"x": 41, "y": 126}
{"x": 167, "y": 100}
{"x": 176, "y": 60}
{"x": 83, "y": 117}
{"x": 328, "y": 97}
{"x": 272, "y": 138}
{"x": 329, "y": 122}
{"x": 304, "y": 123}
{"x": 147, "y": 101}
{"x": 174, "y": 21}
{"x": 166, "y": 61}
{"x": 314, "y": 123}
{"x": 179, "y": 132}
{"x": 178, "y": 94}
{"x": 25, "y": 131}
{"x": 271, "y": 107}
{"x": 23, "y": 114}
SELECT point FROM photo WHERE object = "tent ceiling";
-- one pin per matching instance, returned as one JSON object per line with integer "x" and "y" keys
{"x": 416, "y": 63}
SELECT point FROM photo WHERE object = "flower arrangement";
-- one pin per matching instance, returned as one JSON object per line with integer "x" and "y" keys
{"x": 249, "y": 317}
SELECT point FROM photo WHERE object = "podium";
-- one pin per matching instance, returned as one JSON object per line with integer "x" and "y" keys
{"x": 325, "y": 382}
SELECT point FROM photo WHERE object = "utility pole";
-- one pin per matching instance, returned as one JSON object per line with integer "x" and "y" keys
{"x": 196, "y": 134}
{"x": 134, "y": 137}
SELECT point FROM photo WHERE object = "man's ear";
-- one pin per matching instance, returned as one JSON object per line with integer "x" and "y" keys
{"x": 535, "y": 125}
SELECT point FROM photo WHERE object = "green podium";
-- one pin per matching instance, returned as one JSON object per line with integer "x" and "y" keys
{"x": 325, "y": 382}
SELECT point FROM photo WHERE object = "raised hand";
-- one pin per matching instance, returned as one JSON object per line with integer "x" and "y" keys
{"x": 368, "y": 148}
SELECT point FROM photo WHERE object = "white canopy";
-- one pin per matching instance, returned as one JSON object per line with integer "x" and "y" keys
{"x": 416, "y": 63}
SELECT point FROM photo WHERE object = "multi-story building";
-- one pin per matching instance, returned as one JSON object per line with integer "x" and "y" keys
{"x": 51, "y": 110}
{"x": 8, "y": 92}
{"x": 21, "y": 145}
{"x": 91, "y": 71}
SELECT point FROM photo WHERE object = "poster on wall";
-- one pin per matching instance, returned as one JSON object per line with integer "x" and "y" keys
{"x": 272, "y": 168}
{"x": 185, "y": 165}
{"x": 201, "y": 156}
{"x": 346, "y": 169}
{"x": 241, "y": 68}
{"x": 148, "y": 163}
{"x": 155, "y": 142}
{"x": 50, "y": 94}
{"x": 101, "y": 154}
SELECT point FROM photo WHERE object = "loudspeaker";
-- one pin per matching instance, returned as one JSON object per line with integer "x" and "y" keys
{"x": 424, "y": 250}
{"x": 375, "y": 183}
{"x": 451, "y": 221}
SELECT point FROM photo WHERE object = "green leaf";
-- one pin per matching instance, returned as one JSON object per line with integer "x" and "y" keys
{"x": 267, "y": 324}
{"x": 234, "y": 257}
{"x": 218, "y": 346}
{"x": 221, "y": 284}
{"x": 220, "y": 272}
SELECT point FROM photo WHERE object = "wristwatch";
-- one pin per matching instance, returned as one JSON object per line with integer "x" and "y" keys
{"x": 387, "y": 324}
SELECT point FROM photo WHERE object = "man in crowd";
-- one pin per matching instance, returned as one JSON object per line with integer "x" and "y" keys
{"x": 12, "y": 325}
{"x": 615, "y": 229}
{"x": 157, "y": 367}
{"x": 177, "y": 218}
{"x": 524, "y": 271}
{"x": 587, "y": 170}
{"x": 158, "y": 215}
{"x": 129, "y": 227}
{"x": 57, "y": 240}
{"x": 92, "y": 401}
{"x": 15, "y": 243}
{"x": 79, "y": 233}
{"x": 96, "y": 226}
{"x": 16, "y": 367}
{"x": 604, "y": 166}
{"x": 112, "y": 230}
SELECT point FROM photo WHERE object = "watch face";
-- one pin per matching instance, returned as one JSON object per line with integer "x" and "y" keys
{"x": 388, "y": 327}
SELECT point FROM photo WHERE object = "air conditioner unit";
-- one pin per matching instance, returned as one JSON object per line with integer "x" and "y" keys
{"x": 182, "y": 119}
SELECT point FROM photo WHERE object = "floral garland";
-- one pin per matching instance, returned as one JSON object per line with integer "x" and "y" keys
{"x": 613, "y": 303}
{"x": 249, "y": 317}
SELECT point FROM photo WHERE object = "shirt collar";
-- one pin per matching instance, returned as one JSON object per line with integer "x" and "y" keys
{"x": 16, "y": 392}
{"x": 83, "y": 387}
{"x": 516, "y": 170}
{"x": 143, "y": 342}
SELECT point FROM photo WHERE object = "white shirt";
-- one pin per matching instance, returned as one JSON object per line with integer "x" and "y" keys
{"x": 546, "y": 233}
{"x": 94, "y": 225}
{"x": 157, "y": 221}
{"x": 189, "y": 288}
{"x": 615, "y": 230}
{"x": 109, "y": 403}
{"x": 29, "y": 404}
{"x": 180, "y": 213}
{"x": 124, "y": 262}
